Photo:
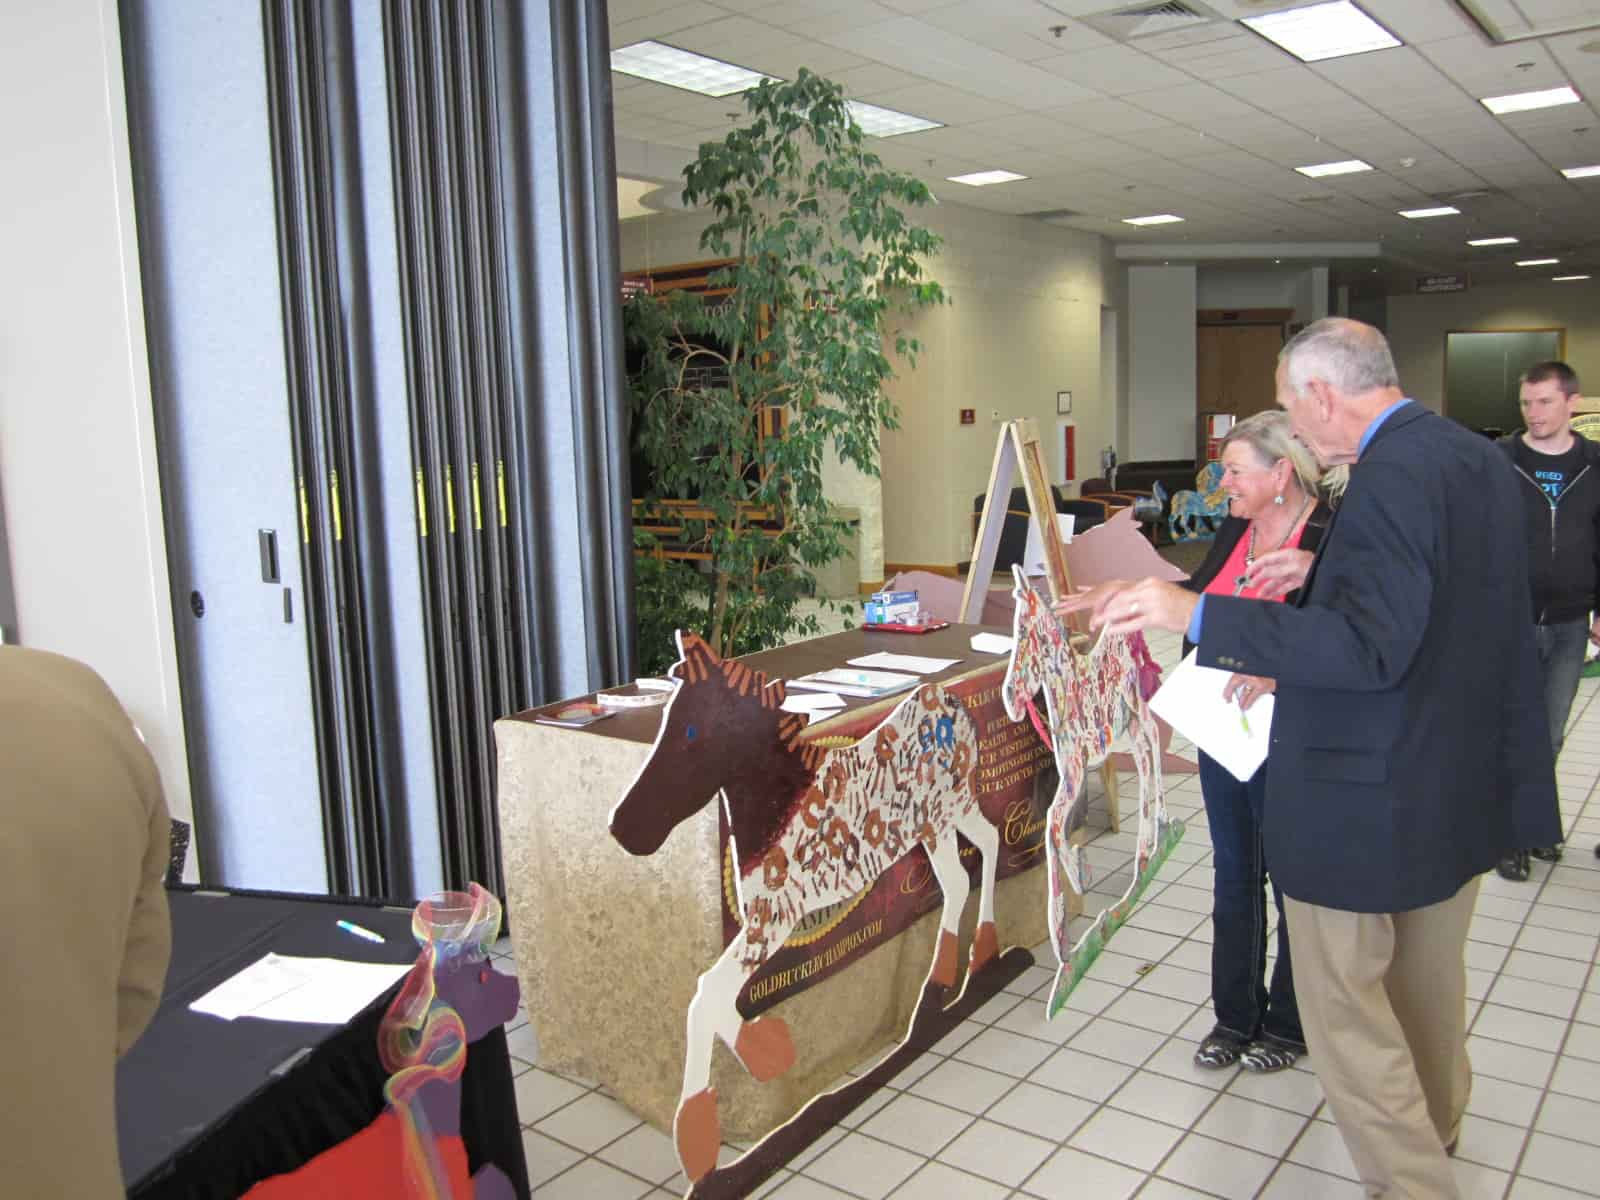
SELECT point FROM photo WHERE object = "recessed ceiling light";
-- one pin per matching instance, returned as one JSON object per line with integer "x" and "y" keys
{"x": 1158, "y": 219}
{"x": 1566, "y": 278}
{"x": 661, "y": 63}
{"x": 1499, "y": 241}
{"x": 1322, "y": 31}
{"x": 1348, "y": 167}
{"x": 1523, "y": 101}
{"x": 1416, "y": 214}
{"x": 985, "y": 178}
{"x": 1537, "y": 262}
{"x": 1580, "y": 172}
{"x": 885, "y": 122}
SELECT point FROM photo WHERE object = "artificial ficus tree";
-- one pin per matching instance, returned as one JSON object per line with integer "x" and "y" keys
{"x": 740, "y": 396}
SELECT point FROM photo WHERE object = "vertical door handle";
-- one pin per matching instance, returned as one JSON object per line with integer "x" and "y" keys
{"x": 267, "y": 541}
{"x": 288, "y": 607}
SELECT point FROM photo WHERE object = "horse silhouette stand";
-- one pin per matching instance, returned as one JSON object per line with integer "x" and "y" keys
{"x": 1095, "y": 704}
{"x": 811, "y": 826}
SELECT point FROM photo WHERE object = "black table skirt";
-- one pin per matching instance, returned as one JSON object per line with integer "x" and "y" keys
{"x": 207, "y": 1108}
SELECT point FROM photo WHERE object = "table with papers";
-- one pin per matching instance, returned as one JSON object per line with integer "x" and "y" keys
{"x": 207, "y": 1106}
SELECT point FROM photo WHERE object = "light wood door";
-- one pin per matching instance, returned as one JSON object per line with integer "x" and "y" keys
{"x": 1235, "y": 367}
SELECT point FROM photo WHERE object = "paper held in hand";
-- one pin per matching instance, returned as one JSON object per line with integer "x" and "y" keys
{"x": 1190, "y": 700}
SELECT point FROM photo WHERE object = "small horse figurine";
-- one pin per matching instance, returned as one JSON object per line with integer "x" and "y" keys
{"x": 1198, "y": 514}
{"x": 1096, "y": 705}
{"x": 811, "y": 827}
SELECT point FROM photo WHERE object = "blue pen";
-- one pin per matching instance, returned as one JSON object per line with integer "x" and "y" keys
{"x": 352, "y": 927}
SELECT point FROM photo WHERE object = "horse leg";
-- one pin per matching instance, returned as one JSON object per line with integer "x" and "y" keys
{"x": 945, "y": 858}
{"x": 1065, "y": 816}
{"x": 981, "y": 833}
{"x": 764, "y": 1046}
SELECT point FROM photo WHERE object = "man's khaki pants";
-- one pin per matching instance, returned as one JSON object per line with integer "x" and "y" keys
{"x": 1383, "y": 1003}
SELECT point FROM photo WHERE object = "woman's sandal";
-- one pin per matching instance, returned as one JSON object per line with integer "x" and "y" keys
{"x": 1264, "y": 1057}
{"x": 1218, "y": 1050}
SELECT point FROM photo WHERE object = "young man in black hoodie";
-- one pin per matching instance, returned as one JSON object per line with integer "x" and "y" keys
{"x": 1560, "y": 473}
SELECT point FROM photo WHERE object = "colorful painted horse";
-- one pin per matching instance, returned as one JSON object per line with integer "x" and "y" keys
{"x": 810, "y": 827}
{"x": 1198, "y": 514}
{"x": 1095, "y": 704}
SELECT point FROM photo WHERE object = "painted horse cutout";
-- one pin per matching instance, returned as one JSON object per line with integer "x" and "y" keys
{"x": 811, "y": 826}
{"x": 1198, "y": 514}
{"x": 1095, "y": 704}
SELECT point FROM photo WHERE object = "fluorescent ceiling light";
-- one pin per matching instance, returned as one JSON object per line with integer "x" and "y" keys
{"x": 1523, "y": 101}
{"x": 1580, "y": 172}
{"x": 1537, "y": 262}
{"x": 985, "y": 178}
{"x": 1499, "y": 241}
{"x": 1416, "y": 214}
{"x": 1158, "y": 219}
{"x": 1348, "y": 167}
{"x": 1322, "y": 31}
{"x": 660, "y": 63}
{"x": 1566, "y": 278}
{"x": 885, "y": 122}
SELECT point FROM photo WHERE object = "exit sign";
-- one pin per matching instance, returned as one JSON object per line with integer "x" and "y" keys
{"x": 1442, "y": 283}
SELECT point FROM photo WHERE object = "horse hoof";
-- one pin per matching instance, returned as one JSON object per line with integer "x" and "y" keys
{"x": 985, "y": 947}
{"x": 944, "y": 962}
{"x": 765, "y": 1047}
{"x": 698, "y": 1134}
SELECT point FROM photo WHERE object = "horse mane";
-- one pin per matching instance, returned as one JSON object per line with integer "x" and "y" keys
{"x": 762, "y": 791}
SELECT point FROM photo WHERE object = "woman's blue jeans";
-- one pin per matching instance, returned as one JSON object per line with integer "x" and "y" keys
{"x": 1246, "y": 1006}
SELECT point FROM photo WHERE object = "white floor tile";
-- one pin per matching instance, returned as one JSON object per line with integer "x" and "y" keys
{"x": 645, "y": 1152}
{"x": 1321, "y": 1147}
{"x": 545, "y": 1157}
{"x": 539, "y": 1093}
{"x": 918, "y": 1125}
{"x": 1146, "y": 1011}
{"x": 1117, "y": 1041}
{"x": 1557, "y": 942}
{"x": 1571, "y": 1117}
{"x": 1258, "y": 1126}
{"x": 1560, "y": 1161}
{"x": 1490, "y": 1143}
{"x": 1176, "y": 1060}
{"x": 593, "y": 1180}
{"x": 1008, "y": 1053}
{"x": 1177, "y": 983}
{"x": 1563, "y": 972}
{"x": 1501, "y": 1100}
{"x": 1478, "y": 1182}
{"x": 1219, "y": 1169}
{"x": 1029, "y": 1020}
{"x": 1577, "y": 1077}
{"x": 1133, "y": 1141}
{"x": 1146, "y": 945}
{"x": 798, "y": 1187}
{"x": 962, "y": 1085}
{"x": 997, "y": 1152}
{"x": 1523, "y": 1188}
{"x": 1041, "y": 1111}
{"x": 1090, "y": 996}
{"x": 1297, "y": 1091}
{"x": 1502, "y": 1060}
{"x": 1532, "y": 995}
{"x": 864, "y": 1166}
{"x": 1163, "y": 1099}
{"x": 1079, "y": 1074}
{"x": 937, "y": 1179}
{"x": 1071, "y": 1172}
{"x": 589, "y": 1123}
{"x": 1534, "y": 1030}
{"x": 1295, "y": 1182}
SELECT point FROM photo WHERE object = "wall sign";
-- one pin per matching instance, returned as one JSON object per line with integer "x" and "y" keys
{"x": 1063, "y": 403}
{"x": 1442, "y": 283}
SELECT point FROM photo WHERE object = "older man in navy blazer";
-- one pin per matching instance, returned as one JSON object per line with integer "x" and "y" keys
{"x": 1409, "y": 747}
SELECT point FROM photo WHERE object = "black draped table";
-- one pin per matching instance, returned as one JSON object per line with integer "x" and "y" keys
{"x": 206, "y": 1108}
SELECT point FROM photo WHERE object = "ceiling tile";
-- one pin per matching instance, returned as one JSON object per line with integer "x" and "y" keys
{"x": 1114, "y": 70}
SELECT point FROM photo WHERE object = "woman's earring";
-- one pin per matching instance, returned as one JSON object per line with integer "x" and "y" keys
{"x": 1278, "y": 499}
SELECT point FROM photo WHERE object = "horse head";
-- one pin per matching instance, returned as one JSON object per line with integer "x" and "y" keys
{"x": 1035, "y": 633}
{"x": 720, "y": 715}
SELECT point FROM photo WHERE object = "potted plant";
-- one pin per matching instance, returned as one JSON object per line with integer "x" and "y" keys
{"x": 741, "y": 393}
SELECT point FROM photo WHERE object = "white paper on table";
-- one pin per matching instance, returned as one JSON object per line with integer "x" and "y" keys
{"x": 992, "y": 643}
{"x": 317, "y": 991}
{"x": 812, "y": 703}
{"x": 1190, "y": 700}
{"x": 916, "y": 664}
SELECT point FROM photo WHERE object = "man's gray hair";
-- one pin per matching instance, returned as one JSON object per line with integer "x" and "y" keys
{"x": 1347, "y": 355}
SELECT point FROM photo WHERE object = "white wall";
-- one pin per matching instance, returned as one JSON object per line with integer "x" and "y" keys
{"x": 1161, "y": 367}
{"x": 77, "y": 438}
{"x": 1417, "y": 325}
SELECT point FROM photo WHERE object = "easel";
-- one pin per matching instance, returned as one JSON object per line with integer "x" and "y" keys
{"x": 1019, "y": 448}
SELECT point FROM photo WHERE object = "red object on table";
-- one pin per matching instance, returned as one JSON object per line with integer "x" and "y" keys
{"x": 898, "y": 628}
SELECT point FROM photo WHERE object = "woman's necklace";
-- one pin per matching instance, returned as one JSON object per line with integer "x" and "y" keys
{"x": 1250, "y": 545}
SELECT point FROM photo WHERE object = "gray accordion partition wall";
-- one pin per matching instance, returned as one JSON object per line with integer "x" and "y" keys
{"x": 434, "y": 179}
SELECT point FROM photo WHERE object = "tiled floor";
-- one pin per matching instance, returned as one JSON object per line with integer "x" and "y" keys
{"x": 1104, "y": 1102}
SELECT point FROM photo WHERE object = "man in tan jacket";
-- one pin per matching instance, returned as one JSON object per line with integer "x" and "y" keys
{"x": 84, "y": 833}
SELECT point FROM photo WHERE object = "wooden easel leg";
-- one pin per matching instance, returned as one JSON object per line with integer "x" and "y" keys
{"x": 1108, "y": 776}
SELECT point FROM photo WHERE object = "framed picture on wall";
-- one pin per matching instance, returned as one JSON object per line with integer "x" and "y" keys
{"x": 1063, "y": 403}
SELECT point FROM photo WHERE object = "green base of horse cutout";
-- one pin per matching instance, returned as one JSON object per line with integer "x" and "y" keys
{"x": 1112, "y": 919}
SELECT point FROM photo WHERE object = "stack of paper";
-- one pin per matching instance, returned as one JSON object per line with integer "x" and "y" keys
{"x": 850, "y": 682}
{"x": 318, "y": 991}
{"x": 916, "y": 664}
{"x": 1190, "y": 700}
